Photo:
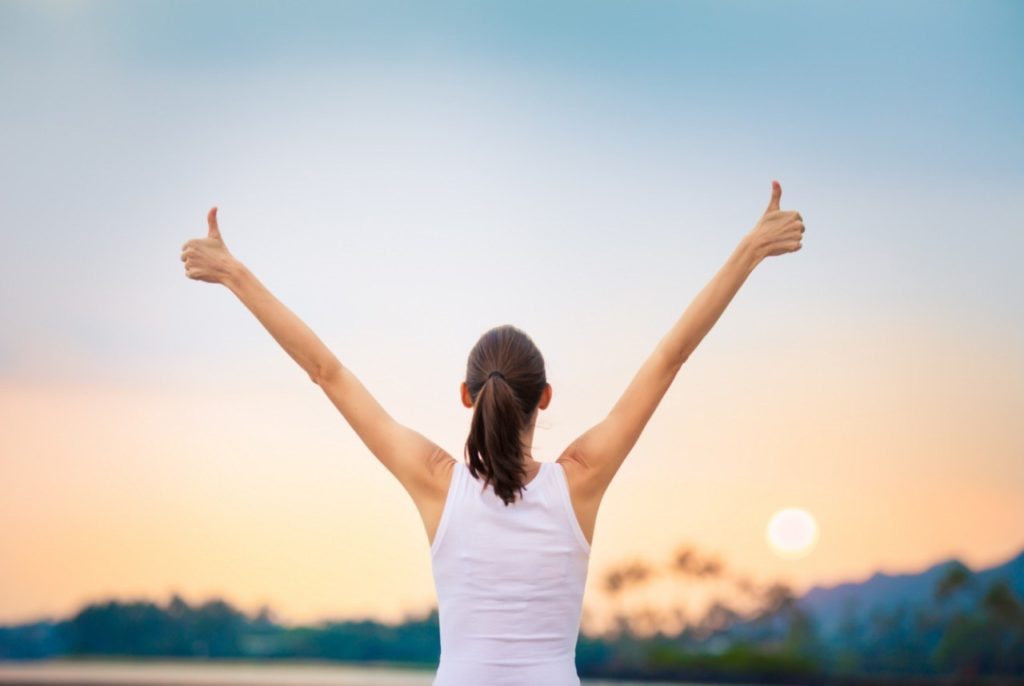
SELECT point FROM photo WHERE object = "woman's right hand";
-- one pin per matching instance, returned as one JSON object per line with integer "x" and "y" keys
{"x": 208, "y": 259}
{"x": 778, "y": 231}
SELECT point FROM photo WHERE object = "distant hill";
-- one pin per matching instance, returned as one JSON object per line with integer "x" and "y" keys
{"x": 881, "y": 592}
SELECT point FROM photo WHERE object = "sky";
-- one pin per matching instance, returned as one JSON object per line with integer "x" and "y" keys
{"x": 404, "y": 177}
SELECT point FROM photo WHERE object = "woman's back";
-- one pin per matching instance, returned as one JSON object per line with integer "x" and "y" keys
{"x": 510, "y": 582}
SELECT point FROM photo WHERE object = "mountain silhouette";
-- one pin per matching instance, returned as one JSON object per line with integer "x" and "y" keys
{"x": 857, "y": 601}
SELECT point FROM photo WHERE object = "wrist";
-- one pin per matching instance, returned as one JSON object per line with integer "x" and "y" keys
{"x": 748, "y": 252}
{"x": 234, "y": 275}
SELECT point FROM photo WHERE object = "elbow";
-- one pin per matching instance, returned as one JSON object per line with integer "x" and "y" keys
{"x": 674, "y": 361}
{"x": 676, "y": 365}
{"x": 323, "y": 373}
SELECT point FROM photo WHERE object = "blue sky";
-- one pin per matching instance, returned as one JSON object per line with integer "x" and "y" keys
{"x": 643, "y": 130}
{"x": 405, "y": 176}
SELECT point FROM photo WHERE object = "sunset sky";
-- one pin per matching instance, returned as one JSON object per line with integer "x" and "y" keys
{"x": 405, "y": 176}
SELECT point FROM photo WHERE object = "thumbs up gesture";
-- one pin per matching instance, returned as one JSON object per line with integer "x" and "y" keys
{"x": 778, "y": 231}
{"x": 207, "y": 259}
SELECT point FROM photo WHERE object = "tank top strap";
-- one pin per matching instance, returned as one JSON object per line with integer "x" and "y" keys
{"x": 568, "y": 510}
{"x": 543, "y": 475}
{"x": 455, "y": 487}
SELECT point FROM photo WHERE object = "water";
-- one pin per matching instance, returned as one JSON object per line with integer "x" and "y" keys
{"x": 189, "y": 673}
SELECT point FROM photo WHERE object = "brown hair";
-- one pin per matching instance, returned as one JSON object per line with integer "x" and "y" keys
{"x": 502, "y": 405}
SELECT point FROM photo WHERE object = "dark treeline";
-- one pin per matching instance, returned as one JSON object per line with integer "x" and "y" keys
{"x": 962, "y": 631}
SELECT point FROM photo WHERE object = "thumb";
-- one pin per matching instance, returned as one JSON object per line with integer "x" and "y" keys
{"x": 211, "y": 219}
{"x": 776, "y": 196}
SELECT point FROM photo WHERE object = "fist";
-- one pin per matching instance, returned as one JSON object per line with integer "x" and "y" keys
{"x": 207, "y": 259}
{"x": 778, "y": 231}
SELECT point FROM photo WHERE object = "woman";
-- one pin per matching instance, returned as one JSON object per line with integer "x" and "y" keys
{"x": 509, "y": 536}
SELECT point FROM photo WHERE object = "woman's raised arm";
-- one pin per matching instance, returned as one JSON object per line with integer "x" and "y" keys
{"x": 410, "y": 456}
{"x": 600, "y": 451}
{"x": 208, "y": 259}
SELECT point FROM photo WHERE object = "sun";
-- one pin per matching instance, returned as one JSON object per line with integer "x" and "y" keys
{"x": 792, "y": 532}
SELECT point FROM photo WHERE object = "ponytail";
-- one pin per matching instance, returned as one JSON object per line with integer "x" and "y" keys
{"x": 505, "y": 377}
{"x": 494, "y": 447}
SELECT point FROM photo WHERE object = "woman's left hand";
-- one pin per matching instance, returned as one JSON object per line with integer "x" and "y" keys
{"x": 207, "y": 259}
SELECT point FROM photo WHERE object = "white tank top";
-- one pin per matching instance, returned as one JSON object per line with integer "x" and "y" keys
{"x": 509, "y": 583}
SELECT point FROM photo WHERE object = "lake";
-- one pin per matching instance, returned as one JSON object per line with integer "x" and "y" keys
{"x": 228, "y": 673}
